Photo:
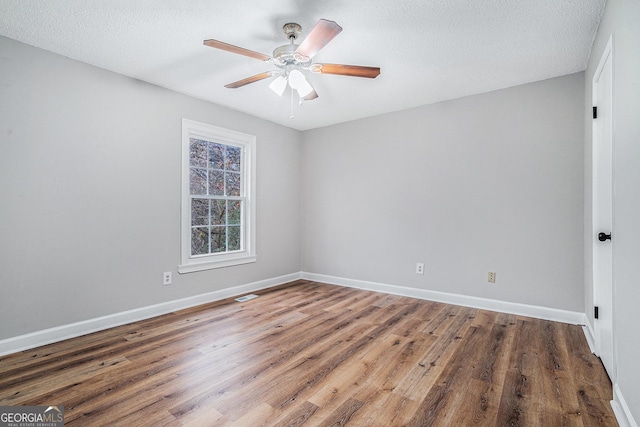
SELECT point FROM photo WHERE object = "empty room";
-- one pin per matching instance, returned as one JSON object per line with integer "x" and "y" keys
{"x": 298, "y": 213}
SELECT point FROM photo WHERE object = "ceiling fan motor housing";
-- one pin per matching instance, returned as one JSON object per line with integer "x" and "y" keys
{"x": 286, "y": 55}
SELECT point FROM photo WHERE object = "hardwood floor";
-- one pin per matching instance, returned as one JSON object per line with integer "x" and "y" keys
{"x": 319, "y": 355}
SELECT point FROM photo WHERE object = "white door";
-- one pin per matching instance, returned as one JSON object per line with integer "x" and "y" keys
{"x": 603, "y": 209}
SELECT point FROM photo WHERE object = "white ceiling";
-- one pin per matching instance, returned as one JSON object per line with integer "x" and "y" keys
{"x": 428, "y": 50}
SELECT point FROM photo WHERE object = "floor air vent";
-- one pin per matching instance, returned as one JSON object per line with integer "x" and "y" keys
{"x": 246, "y": 298}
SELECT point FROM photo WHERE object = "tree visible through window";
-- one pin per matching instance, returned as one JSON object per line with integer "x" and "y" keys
{"x": 218, "y": 195}
{"x": 215, "y": 186}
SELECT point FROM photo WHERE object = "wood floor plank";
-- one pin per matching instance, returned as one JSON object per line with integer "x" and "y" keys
{"x": 489, "y": 362}
{"x": 280, "y": 375}
{"x": 296, "y": 416}
{"x": 206, "y": 417}
{"x": 258, "y": 416}
{"x": 518, "y": 401}
{"x": 385, "y": 409}
{"x": 559, "y": 384}
{"x": 343, "y": 414}
{"x": 339, "y": 384}
{"x": 311, "y": 354}
{"x": 60, "y": 379}
{"x": 383, "y": 366}
{"x": 448, "y": 328}
{"x": 439, "y": 405}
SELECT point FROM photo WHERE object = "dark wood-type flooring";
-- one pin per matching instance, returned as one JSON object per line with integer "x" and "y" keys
{"x": 318, "y": 355}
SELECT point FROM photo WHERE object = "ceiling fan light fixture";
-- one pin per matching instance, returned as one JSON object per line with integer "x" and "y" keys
{"x": 298, "y": 81}
{"x": 303, "y": 93}
{"x": 278, "y": 85}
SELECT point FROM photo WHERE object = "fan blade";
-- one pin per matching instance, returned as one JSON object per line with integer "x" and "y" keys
{"x": 319, "y": 36}
{"x": 350, "y": 70}
{"x": 235, "y": 49}
{"x": 248, "y": 80}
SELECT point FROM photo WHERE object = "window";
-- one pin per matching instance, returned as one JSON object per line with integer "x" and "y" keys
{"x": 218, "y": 197}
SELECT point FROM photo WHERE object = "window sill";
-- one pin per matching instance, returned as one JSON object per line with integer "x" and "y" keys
{"x": 211, "y": 264}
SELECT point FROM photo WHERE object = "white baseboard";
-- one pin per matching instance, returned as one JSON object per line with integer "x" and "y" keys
{"x": 48, "y": 336}
{"x": 621, "y": 410}
{"x": 545, "y": 313}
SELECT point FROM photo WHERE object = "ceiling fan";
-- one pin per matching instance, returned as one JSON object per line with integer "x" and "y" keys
{"x": 292, "y": 59}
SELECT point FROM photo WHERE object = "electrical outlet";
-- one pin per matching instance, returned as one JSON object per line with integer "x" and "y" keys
{"x": 492, "y": 277}
{"x": 419, "y": 268}
{"x": 166, "y": 278}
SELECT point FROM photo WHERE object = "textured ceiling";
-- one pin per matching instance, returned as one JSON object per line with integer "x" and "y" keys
{"x": 428, "y": 50}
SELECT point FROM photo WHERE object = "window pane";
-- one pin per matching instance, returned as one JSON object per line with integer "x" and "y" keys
{"x": 199, "y": 212}
{"x": 235, "y": 212}
{"x": 199, "y": 241}
{"x": 233, "y": 183}
{"x": 234, "y": 238}
{"x": 218, "y": 212}
{"x": 198, "y": 181}
{"x": 197, "y": 153}
{"x": 218, "y": 239}
{"x": 216, "y": 156}
{"x": 216, "y": 183}
{"x": 233, "y": 158}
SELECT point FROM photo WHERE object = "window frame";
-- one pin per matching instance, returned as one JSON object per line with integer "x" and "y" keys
{"x": 247, "y": 143}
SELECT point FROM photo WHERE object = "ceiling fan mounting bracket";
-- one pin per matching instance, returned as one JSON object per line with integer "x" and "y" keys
{"x": 292, "y": 30}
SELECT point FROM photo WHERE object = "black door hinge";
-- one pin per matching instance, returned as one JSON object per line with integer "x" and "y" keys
{"x": 595, "y": 312}
{"x": 595, "y": 112}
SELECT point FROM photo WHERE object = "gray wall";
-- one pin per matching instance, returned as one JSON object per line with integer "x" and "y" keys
{"x": 90, "y": 192}
{"x": 491, "y": 182}
{"x": 621, "y": 19}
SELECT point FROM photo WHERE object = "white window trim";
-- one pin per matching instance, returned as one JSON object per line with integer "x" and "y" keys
{"x": 208, "y": 132}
